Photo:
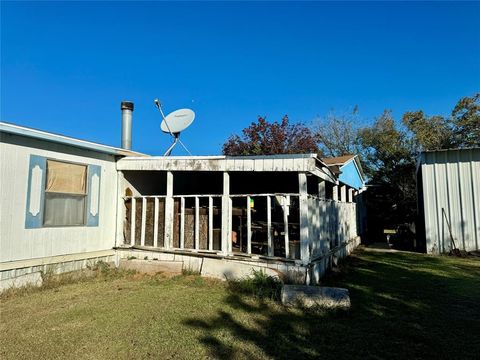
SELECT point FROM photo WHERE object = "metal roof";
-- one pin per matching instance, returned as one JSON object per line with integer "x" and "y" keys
{"x": 61, "y": 139}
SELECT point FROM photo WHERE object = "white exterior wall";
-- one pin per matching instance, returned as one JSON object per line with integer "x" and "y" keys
{"x": 451, "y": 180}
{"x": 19, "y": 243}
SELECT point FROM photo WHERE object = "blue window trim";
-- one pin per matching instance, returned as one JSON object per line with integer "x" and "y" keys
{"x": 34, "y": 222}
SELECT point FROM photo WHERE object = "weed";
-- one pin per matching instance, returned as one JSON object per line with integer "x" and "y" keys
{"x": 189, "y": 271}
{"x": 259, "y": 285}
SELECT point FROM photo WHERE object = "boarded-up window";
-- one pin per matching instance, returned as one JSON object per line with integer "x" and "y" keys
{"x": 65, "y": 194}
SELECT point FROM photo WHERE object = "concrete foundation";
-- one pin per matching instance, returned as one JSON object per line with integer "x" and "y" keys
{"x": 147, "y": 260}
{"x": 29, "y": 273}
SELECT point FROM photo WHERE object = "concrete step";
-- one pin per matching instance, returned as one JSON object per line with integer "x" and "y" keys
{"x": 310, "y": 296}
{"x": 152, "y": 266}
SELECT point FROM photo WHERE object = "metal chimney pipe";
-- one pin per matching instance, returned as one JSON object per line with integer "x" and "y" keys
{"x": 127, "y": 110}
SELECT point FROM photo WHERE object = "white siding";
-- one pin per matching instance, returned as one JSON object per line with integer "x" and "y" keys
{"x": 331, "y": 224}
{"x": 451, "y": 181}
{"x": 18, "y": 243}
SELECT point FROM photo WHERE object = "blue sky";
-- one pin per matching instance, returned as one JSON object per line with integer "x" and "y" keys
{"x": 65, "y": 67}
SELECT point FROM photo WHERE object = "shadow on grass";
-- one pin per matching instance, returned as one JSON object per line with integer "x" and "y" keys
{"x": 403, "y": 305}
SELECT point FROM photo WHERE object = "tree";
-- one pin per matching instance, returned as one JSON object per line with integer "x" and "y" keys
{"x": 337, "y": 134}
{"x": 389, "y": 162}
{"x": 428, "y": 132}
{"x": 265, "y": 138}
{"x": 466, "y": 121}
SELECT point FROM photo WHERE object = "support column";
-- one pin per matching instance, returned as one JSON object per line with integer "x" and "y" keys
{"x": 210, "y": 223}
{"x": 119, "y": 238}
{"x": 304, "y": 223}
{"x": 335, "y": 193}
{"x": 197, "y": 223}
{"x": 269, "y": 226}
{"x": 343, "y": 193}
{"x": 226, "y": 215}
{"x": 322, "y": 189}
{"x": 350, "y": 194}
{"x": 169, "y": 209}
{"x": 249, "y": 227}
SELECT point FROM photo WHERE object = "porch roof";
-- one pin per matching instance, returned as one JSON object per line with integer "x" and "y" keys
{"x": 282, "y": 163}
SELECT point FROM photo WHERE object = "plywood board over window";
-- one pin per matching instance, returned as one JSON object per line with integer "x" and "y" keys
{"x": 66, "y": 177}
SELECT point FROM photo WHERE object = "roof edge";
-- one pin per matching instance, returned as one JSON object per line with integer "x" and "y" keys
{"x": 10, "y": 128}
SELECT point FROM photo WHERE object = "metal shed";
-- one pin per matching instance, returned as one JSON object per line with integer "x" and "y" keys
{"x": 448, "y": 186}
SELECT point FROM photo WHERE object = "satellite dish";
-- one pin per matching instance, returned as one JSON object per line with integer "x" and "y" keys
{"x": 174, "y": 123}
{"x": 177, "y": 121}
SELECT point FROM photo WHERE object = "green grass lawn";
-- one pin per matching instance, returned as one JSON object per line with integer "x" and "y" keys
{"x": 404, "y": 306}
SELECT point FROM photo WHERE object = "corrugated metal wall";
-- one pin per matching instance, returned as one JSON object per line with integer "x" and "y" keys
{"x": 451, "y": 195}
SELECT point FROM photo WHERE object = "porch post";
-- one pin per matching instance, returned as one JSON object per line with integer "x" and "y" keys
{"x": 335, "y": 193}
{"x": 322, "y": 189}
{"x": 120, "y": 238}
{"x": 304, "y": 224}
{"x": 343, "y": 193}
{"x": 269, "y": 226}
{"x": 350, "y": 195}
{"x": 169, "y": 209}
{"x": 226, "y": 221}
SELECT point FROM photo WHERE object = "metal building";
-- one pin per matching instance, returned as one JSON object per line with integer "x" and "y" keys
{"x": 448, "y": 186}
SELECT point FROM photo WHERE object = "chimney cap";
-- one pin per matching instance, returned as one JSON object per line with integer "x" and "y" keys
{"x": 127, "y": 105}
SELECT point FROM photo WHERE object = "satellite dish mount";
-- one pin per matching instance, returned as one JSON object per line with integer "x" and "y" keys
{"x": 174, "y": 123}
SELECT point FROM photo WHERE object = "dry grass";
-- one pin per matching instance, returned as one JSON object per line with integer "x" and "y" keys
{"x": 404, "y": 306}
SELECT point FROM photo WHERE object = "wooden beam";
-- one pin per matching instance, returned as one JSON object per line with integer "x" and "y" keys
{"x": 322, "y": 189}
{"x": 226, "y": 214}
{"x": 343, "y": 193}
{"x": 182, "y": 222}
{"x": 144, "y": 221}
{"x": 197, "y": 223}
{"x": 132, "y": 222}
{"x": 229, "y": 238}
{"x": 286, "y": 200}
{"x": 155, "y": 222}
{"x": 121, "y": 208}
{"x": 210, "y": 223}
{"x": 269, "y": 226}
{"x": 249, "y": 226}
{"x": 350, "y": 195}
{"x": 335, "y": 193}
{"x": 304, "y": 216}
{"x": 169, "y": 212}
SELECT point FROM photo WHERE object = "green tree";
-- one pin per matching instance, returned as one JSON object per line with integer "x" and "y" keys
{"x": 428, "y": 132}
{"x": 389, "y": 163}
{"x": 466, "y": 121}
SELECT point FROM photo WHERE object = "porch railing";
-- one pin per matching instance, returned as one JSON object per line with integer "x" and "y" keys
{"x": 260, "y": 224}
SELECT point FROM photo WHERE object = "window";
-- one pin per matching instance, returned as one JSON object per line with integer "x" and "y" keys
{"x": 65, "y": 194}
{"x": 61, "y": 193}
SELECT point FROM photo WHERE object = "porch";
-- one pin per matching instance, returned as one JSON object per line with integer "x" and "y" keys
{"x": 231, "y": 215}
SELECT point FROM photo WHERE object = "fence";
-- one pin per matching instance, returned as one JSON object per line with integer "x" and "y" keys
{"x": 331, "y": 224}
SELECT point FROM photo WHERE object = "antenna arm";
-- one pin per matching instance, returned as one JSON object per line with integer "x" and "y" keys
{"x": 164, "y": 119}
